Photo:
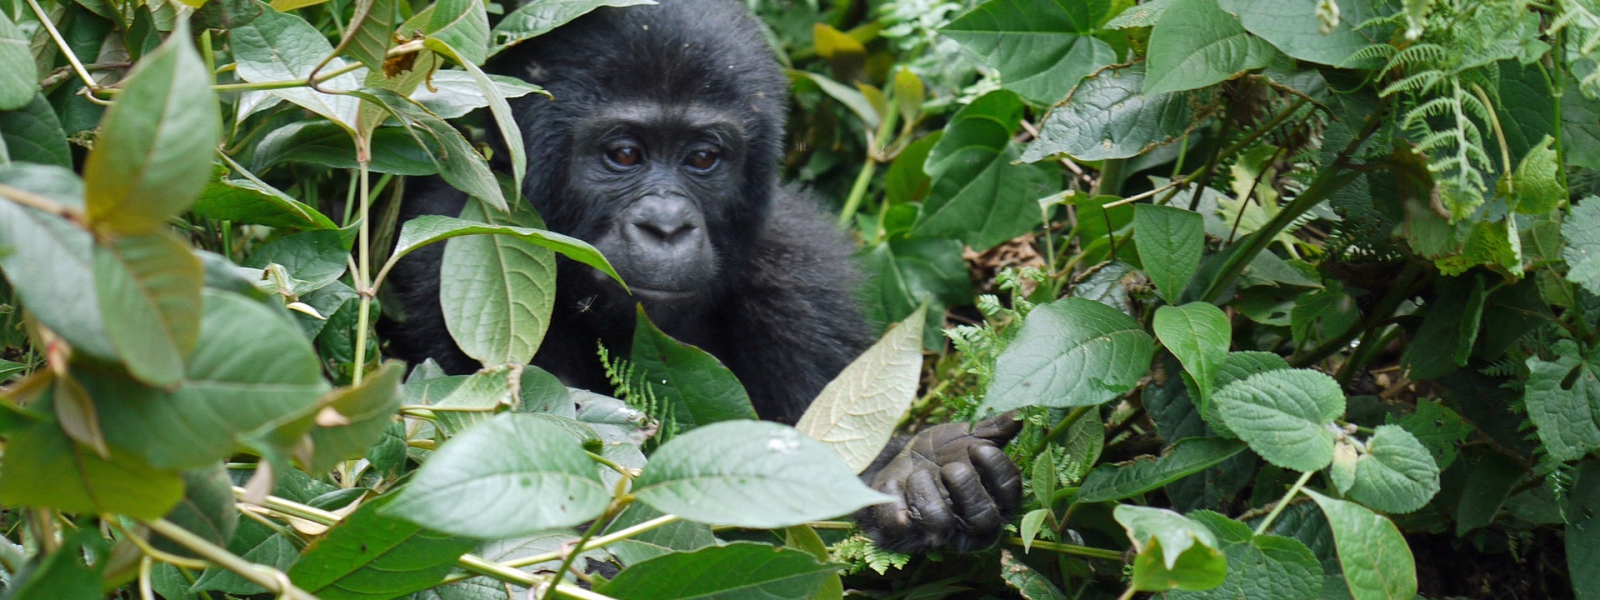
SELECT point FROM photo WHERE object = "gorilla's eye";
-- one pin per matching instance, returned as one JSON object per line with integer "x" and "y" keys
{"x": 624, "y": 156}
{"x": 702, "y": 159}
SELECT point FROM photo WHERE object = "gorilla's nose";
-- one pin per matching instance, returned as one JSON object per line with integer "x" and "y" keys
{"x": 663, "y": 222}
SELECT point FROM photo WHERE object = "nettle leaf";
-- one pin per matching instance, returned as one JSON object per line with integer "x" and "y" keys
{"x": 1581, "y": 232}
{"x": 279, "y": 46}
{"x": 1285, "y": 415}
{"x": 1175, "y": 553}
{"x": 497, "y": 291}
{"x": 856, "y": 413}
{"x": 153, "y": 152}
{"x": 1187, "y": 457}
{"x": 1376, "y": 562}
{"x": 33, "y": 134}
{"x": 1195, "y": 44}
{"x": 533, "y": 19}
{"x": 1538, "y": 180}
{"x": 1238, "y": 365}
{"x": 1040, "y": 47}
{"x": 1396, "y": 475}
{"x": 1563, "y": 400}
{"x": 512, "y": 476}
{"x": 1293, "y": 26}
{"x": 251, "y": 368}
{"x": 19, "y": 82}
{"x": 1071, "y": 352}
{"x": 1171, "y": 241}
{"x": 736, "y": 570}
{"x": 978, "y": 194}
{"x": 1198, "y": 334}
{"x": 49, "y": 262}
{"x": 372, "y": 554}
{"x": 47, "y": 469}
{"x": 751, "y": 474}
{"x": 148, "y": 287}
{"x": 1108, "y": 116}
{"x": 1259, "y": 566}
{"x": 695, "y": 385}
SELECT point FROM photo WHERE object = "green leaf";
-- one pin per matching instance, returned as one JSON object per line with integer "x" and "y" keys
{"x": 314, "y": 258}
{"x": 1195, "y": 44}
{"x": 1029, "y": 583}
{"x": 1438, "y": 428}
{"x": 736, "y": 570}
{"x": 1106, "y": 116}
{"x": 978, "y": 195}
{"x": 1198, "y": 334}
{"x": 148, "y": 287}
{"x": 693, "y": 384}
{"x": 1563, "y": 400}
{"x": 1373, "y": 555}
{"x": 1580, "y": 127}
{"x": 479, "y": 397}
{"x": 678, "y": 536}
{"x": 1040, "y": 47}
{"x": 370, "y": 32}
{"x": 394, "y": 150}
{"x": 458, "y": 162}
{"x": 428, "y": 229}
{"x": 514, "y": 475}
{"x": 1285, "y": 415}
{"x": 1583, "y": 531}
{"x": 32, "y": 133}
{"x": 1396, "y": 474}
{"x": 1175, "y": 553}
{"x": 370, "y": 554}
{"x": 497, "y": 291}
{"x": 750, "y": 474}
{"x": 1171, "y": 241}
{"x": 207, "y": 510}
{"x": 851, "y": 98}
{"x": 1187, "y": 457}
{"x": 904, "y": 274}
{"x": 462, "y": 25}
{"x": 251, "y": 368}
{"x": 1071, "y": 352}
{"x": 352, "y": 419}
{"x": 1581, "y": 232}
{"x": 856, "y": 413}
{"x": 452, "y": 93}
{"x": 533, "y": 19}
{"x": 154, "y": 150}
{"x": 62, "y": 574}
{"x": 49, "y": 264}
{"x": 253, "y": 201}
{"x": 904, "y": 182}
{"x": 1293, "y": 26}
{"x": 1538, "y": 180}
{"x": 19, "y": 83}
{"x": 279, "y": 46}
{"x": 1259, "y": 566}
{"x": 507, "y": 126}
{"x": 46, "y": 469}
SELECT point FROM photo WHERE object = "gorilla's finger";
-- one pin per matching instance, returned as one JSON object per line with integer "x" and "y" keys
{"x": 998, "y": 429}
{"x": 893, "y": 518}
{"x": 930, "y": 506}
{"x": 976, "y": 509}
{"x": 1000, "y": 475}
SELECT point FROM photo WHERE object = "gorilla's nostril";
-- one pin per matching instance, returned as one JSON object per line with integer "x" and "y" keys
{"x": 664, "y": 232}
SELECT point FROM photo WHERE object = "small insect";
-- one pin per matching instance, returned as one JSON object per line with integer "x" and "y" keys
{"x": 586, "y": 303}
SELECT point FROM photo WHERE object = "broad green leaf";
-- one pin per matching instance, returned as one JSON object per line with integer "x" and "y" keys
{"x": 978, "y": 195}
{"x": 509, "y": 131}
{"x": 62, "y": 574}
{"x": 253, "y": 201}
{"x": 370, "y": 33}
{"x": 394, "y": 150}
{"x": 428, "y": 229}
{"x": 207, "y": 510}
{"x": 1285, "y": 415}
{"x": 736, "y": 570}
{"x": 514, "y": 475}
{"x": 1396, "y": 475}
{"x": 850, "y": 97}
{"x": 371, "y": 554}
{"x": 1581, "y": 232}
{"x": 453, "y": 93}
{"x": 32, "y": 133}
{"x": 1171, "y": 241}
{"x": 280, "y": 46}
{"x": 46, "y": 469}
{"x": 750, "y": 474}
{"x": 253, "y": 542}
{"x": 1293, "y": 26}
{"x": 1187, "y": 457}
{"x": 148, "y": 288}
{"x": 497, "y": 291}
{"x": 1376, "y": 562}
{"x": 1580, "y": 127}
{"x": 1539, "y": 188}
{"x": 1238, "y": 365}
{"x": 1198, "y": 334}
{"x": 1563, "y": 400}
{"x": 1438, "y": 428}
{"x": 533, "y": 19}
{"x": 314, "y": 258}
{"x": 49, "y": 263}
{"x": 1449, "y": 329}
{"x": 1174, "y": 552}
{"x": 904, "y": 182}
{"x": 1040, "y": 47}
{"x": 153, "y": 152}
{"x": 690, "y": 382}
{"x": 1583, "y": 531}
{"x": 1028, "y": 582}
{"x": 19, "y": 83}
{"x": 462, "y": 25}
{"x": 1107, "y": 116}
{"x": 479, "y": 397}
{"x": 1071, "y": 352}
{"x": 458, "y": 162}
{"x": 252, "y": 368}
{"x": 1259, "y": 566}
{"x": 856, "y": 413}
{"x": 1195, "y": 44}
{"x": 352, "y": 419}
{"x": 903, "y": 274}
{"x": 1490, "y": 479}
{"x": 678, "y": 536}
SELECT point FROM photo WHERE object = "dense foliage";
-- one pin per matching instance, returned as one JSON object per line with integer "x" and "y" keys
{"x": 1298, "y": 298}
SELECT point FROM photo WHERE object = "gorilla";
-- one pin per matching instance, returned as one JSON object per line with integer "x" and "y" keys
{"x": 660, "y": 145}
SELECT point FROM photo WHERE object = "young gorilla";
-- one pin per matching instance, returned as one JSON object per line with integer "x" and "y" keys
{"x": 661, "y": 148}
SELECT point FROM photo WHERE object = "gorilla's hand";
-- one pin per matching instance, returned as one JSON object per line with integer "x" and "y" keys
{"x": 953, "y": 488}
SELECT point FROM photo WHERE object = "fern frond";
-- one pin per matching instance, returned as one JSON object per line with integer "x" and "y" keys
{"x": 1418, "y": 83}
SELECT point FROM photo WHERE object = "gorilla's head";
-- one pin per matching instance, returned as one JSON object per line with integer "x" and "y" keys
{"x": 660, "y": 146}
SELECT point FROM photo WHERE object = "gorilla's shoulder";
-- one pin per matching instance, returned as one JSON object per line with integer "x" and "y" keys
{"x": 801, "y": 250}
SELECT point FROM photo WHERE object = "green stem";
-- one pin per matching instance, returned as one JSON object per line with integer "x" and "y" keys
{"x": 597, "y": 542}
{"x": 1294, "y": 489}
{"x": 1084, "y": 551}
{"x": 282, "y": 85}
{"x": 61, "y": 43}
{"x": 276, "y": 582}
{"x": 566, "y": 561}
{"x": 1331, "y": 180}
{"x": 364, "y": 316}
{"x": 875, "y": 146}
{"x": 1059, "y": 432}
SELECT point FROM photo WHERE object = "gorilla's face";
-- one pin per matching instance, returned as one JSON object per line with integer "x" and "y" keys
{"x": 662, "y": 184}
